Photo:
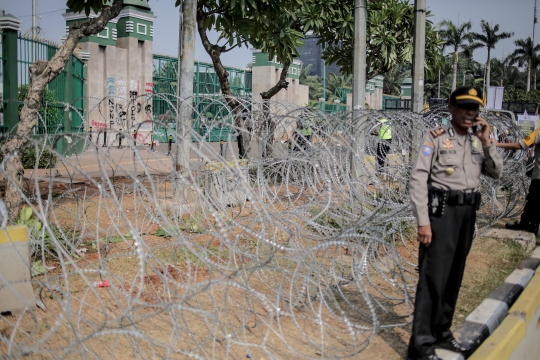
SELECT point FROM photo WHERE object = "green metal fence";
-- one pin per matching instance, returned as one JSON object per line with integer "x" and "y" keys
{"x": 329, "y": 108}
{"x": 207, "y": 98}
{"x": 67, "y": 87}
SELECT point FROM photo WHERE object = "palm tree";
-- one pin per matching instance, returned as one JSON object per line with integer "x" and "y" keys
{"x": 514, "y": 78}
{"x": 455, "y": 37}
{"x": 313, "y": 81}
{"x": 534, "y": 66}
{"x": 432, "y": 84}
{"x": 394, "y": 78}
{"x": 524, "y": 54}
{"x": 336, "y": 83}
{"x": 489, "y": 37}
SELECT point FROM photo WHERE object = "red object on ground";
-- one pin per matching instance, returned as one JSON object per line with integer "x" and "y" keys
{"x": 102, "y": 283}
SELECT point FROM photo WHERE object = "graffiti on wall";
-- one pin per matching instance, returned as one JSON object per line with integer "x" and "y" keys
{"x": 127, "y": 107}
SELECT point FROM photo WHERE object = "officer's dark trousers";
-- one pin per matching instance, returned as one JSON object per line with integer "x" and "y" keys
{"x": 383, "y": 147}
{"x": 530, "y": 218}
{"x": 441, "y": 270}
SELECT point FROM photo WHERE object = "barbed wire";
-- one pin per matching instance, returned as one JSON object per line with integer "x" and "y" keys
{"x": 302, "y": 249}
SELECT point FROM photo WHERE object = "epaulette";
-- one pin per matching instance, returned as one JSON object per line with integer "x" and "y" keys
{"x": 437, "y": 132}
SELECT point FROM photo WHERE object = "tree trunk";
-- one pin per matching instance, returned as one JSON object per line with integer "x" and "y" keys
{"x": 488, "y": 74}
{"x": 41, "y": 74}
{"x": 269, "y": 125}
{"x": 528, "y": 76}
{"x": 215, "y": 52}
{"x": 454, "y": 71}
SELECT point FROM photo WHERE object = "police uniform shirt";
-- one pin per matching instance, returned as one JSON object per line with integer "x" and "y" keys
{"x": 454, "y": 162}
{"x": 526, "y": 143}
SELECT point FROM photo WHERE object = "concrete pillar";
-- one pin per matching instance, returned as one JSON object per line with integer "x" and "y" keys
{"x": 10, "y": 26}
{"x": 16, "y": 293}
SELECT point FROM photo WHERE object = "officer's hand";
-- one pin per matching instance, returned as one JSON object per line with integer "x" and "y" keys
{"x": 424, "y": 234}
{"x": 483, "y": 134}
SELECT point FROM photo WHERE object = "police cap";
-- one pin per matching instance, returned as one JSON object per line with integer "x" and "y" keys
{"x": 466, "y": 95}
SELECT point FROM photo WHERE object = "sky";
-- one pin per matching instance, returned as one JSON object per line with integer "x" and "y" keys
{"x": 512, "y": 16}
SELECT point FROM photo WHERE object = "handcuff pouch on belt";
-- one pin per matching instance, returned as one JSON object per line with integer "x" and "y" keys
{"x": 437, "y": 199}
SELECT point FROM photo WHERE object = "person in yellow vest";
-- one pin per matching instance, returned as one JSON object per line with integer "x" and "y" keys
{"x": 383, "y": 130}
{"x": 303, "y": 131}
{"x": 530, "y": 218}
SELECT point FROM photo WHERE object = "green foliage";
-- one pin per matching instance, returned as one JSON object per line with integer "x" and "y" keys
{"x": 115, "y": 239}
{"x": 50, "y": 115}
{"x": 162, "y": 233}
{"x": 26, "y": 218}
{"x": 390, "y": 29}
{"x": 266, "y": 25}
{"x": 45, "y": 161}
{"x": 86, "y": 5}
{"x": 394, "y": 78}
{"x": 335, "y": 85}
{"x": 313, "y": 81}
{"x": 40, "y": 240}
{"x": 521, "y": 95}
{"x": 37, "y": 268}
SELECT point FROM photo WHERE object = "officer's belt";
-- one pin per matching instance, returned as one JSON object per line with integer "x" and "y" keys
{"x": 458, "y": 197}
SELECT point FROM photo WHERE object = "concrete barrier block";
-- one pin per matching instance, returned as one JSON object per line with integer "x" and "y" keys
{"x": 16, "y": 292}
{"x": 525, "y": 239}
{"x": 223, "y": 185}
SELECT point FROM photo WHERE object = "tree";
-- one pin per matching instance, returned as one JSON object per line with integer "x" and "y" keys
{"x": 525, "y": 54}
{"x": 455, "y": 37}
{"x": 335, "y": 84}
{"x": 313, "y": 81}
{"x": 390, "y": 30}
{"x": 431, "y": 83}
{"x": 247, "y": 22}
{"x": 489, "y": 37}
{"x": 41, "y": 74}
{"x": 394, "y": 78}
{"x": 534, "y": 66}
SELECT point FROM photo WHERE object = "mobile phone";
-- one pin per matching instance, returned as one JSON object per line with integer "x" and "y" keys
{"x": 477, "y": 127}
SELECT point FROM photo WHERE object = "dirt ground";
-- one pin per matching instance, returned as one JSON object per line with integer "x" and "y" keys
{"x": 193, "y": 304}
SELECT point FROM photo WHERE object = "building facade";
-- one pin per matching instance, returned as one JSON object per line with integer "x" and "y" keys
{"x": 119, "y": 85}
{"x": 311, "y": 53}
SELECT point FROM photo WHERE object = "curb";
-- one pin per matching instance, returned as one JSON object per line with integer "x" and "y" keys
{"x": 485, "y": 319}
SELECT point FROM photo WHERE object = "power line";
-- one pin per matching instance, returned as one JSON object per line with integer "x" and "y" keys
{"x": 48, "y": 12}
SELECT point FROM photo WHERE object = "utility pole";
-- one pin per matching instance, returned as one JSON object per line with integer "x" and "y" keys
{"x": 184, "y": 87}
{"x": 419, "y": 55}
{"x": 419, "y": 45}
{"x": 359, "y": 96}
{"x": 534, "y": 25}
{"x": 34, "y": 29}
{"x": 34, "y": 19}
{"x": 359, "y": 57}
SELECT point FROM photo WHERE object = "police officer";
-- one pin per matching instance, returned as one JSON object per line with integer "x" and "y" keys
{"x": 444, "y": 197}
{"x": 530, "y": 218}
{"x": 303, "y": 131}
{"x": 383, "y": 130}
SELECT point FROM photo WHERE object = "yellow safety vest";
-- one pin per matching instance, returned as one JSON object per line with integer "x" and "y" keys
{"x": 385, "y": 131}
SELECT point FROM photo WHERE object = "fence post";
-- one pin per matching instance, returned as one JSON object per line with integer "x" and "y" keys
{"x": 10, "y": 26}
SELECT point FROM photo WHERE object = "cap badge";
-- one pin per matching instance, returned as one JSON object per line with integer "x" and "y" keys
{"x": 447, "y": 144}
{"x": 473, "y": 92}
{"x": 449, "y": 171}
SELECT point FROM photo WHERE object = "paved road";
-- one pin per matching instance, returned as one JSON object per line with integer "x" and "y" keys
{"x": 121, "y": 162}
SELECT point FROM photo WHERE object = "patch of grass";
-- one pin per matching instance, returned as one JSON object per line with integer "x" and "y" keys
{"x": 489, "y": 264}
